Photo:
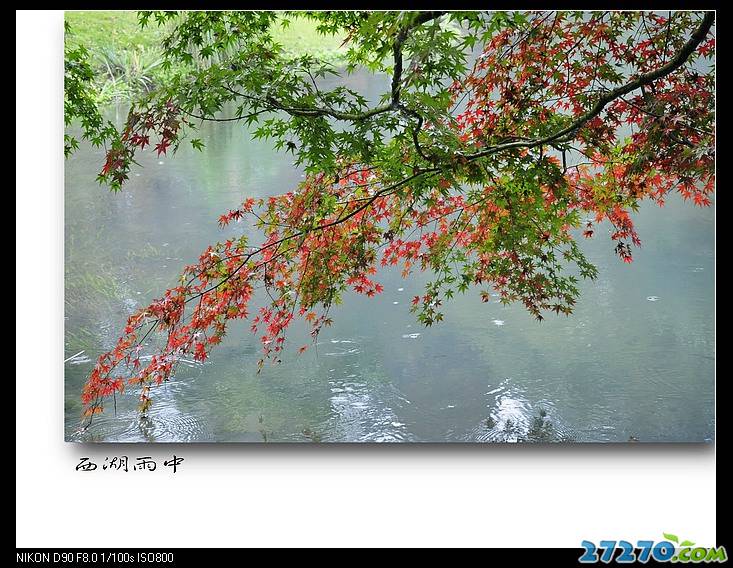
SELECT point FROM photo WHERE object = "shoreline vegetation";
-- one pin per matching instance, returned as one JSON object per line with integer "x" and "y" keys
{"x": 127, "y": 60}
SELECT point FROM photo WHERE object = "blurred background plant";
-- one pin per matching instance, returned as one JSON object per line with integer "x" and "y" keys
{"x": 127, "y": 59}
{"x": 129, "y": 72}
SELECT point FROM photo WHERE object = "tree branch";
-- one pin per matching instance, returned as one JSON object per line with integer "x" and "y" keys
{"x": 420, "y": 19}
{"x": 314, "y": 112}
{"x": 644, "y": 79}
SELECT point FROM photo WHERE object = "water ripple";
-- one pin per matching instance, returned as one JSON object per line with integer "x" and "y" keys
{"x": 513, "y": 418}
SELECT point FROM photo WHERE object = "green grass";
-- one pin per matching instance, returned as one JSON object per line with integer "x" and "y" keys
{"x": 127, "y": 58}
{"x": 116, "y": 30}
{"x": 301, "y": 37}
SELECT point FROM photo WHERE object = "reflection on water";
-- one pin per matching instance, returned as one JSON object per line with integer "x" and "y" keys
{"x": 635, "y": 361}
{"x": 512, "y": 417}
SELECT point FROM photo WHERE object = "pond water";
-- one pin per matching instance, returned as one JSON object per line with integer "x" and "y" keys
{"x": 635, "y": 360}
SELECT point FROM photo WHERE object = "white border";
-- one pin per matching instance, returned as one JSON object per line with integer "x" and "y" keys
{"x": 230, "y": 495}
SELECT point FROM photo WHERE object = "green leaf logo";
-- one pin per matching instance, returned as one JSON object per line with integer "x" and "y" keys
{"x": 672, "y": 537}
{"x": 687, "y": 543}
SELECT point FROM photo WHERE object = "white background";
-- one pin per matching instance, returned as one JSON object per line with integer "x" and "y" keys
{"x": 235, "y": 495}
